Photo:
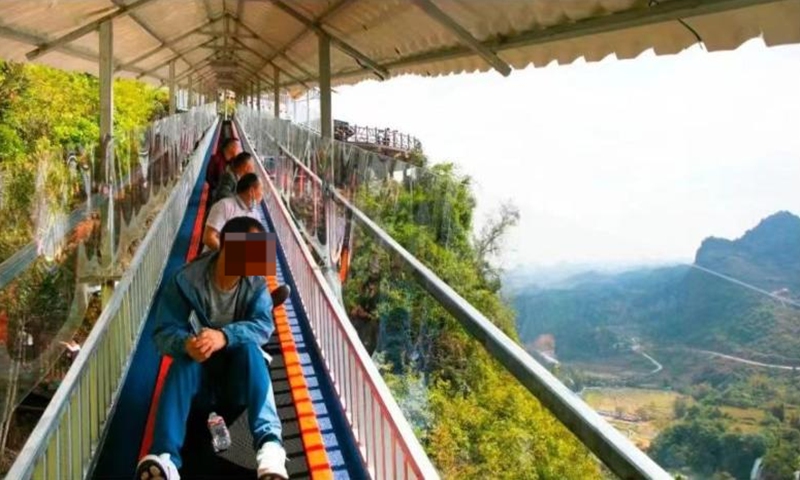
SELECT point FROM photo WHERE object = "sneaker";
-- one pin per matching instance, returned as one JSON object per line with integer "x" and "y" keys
{"x": 157, "y": 467}
{"x": 279, "y": 295}
{"x": 271, "y": 458}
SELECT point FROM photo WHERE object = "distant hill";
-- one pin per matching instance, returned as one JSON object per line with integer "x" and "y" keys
{"x": 768, "y": 256}
{"x": 680, "y": 305}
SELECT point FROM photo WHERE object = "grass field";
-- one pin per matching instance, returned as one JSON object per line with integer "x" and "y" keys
{"x": 623, "y": 365}
{"x": 744, "y": 419}
{"x": 655, "y": 408}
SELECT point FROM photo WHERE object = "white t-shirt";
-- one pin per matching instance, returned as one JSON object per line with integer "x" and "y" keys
{"x": 226, "y": 209}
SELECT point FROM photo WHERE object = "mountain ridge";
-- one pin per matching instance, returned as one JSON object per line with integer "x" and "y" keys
{"x": 681, "y": 305}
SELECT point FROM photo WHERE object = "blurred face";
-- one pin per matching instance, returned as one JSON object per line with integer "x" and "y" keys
{"x": 254, "y": 196}
{"x": 249, "y": 167}
{"x": 230, "y": 150}
{"x": 258, "y": 192}
{"x": 249, "y": 256}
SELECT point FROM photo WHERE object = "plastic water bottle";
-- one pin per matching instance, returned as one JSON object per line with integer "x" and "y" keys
{"x": 220, "y": 437}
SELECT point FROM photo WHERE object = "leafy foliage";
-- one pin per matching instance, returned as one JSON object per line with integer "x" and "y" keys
{"x": 702, "y": 443}
{"x": 471, "y": 415}
{"x": 44, "y": 112}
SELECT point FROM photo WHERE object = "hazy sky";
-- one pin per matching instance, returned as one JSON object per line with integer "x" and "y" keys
{"x": 616, "y": 161}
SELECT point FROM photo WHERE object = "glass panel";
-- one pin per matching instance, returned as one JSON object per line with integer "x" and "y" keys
{"x": 72, "y": 223}
{"x": 470, "y": 415}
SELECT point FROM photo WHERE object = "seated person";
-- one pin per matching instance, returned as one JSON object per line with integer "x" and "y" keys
{"x": 248, "y": 195}
{"x": 241, "y": 165}
{"x": 243, "y": 204}
{"x": 222, "y": 362}
{"x": 227, "y": 150}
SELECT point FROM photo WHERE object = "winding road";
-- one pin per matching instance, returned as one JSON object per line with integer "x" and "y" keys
{"x": 744, "y": 360}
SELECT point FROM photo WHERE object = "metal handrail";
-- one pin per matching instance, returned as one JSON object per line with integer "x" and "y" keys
{"x": 608, "y": 444}
{"x": 66, "y": 440}
{"x": 387, "y": 444}
{"x": 381, "y": 137}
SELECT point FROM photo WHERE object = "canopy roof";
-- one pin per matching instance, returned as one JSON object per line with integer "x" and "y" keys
{"x": 232, "y": 42}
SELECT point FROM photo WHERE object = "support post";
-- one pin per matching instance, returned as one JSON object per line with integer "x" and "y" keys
{"x": 172, "y": 93}
{"x": 106, "y": 85}
{"x": 190, "y": 94}
{"x": 326, "y": 127}
{"x": 258, "y": 94}
{"x": 328, "y": 153}
{"x": 276, "y": 94}
{"x": 106, "y": 71}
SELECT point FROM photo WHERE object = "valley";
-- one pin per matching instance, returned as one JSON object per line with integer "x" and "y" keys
{"x": 686, "y": 355}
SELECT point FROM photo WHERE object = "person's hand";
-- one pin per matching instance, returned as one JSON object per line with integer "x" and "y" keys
{"x": 213, "y": 339}
{"x": 193, "y": 348}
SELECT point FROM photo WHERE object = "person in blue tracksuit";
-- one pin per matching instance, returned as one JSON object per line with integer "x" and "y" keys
{"x": 223, "y": 363}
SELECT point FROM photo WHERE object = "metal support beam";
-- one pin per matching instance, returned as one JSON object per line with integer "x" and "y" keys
{"x": 362, "y": 59}
{"x": 76, "y": 52}
{"x": 199, "y": 67}
{"x": 190, "y": 99}
{"x": 204, "y": 78}
{"x": 250, "y": 69}
{"x": 327, "y": 152}
{"x": 146, "y": 27}
{"x": 268, "y": 62}
{"x": 172, "y": 93}
{"x": 169, "y": 43}
{"x": 175, "y": 57}
{"x": 88, "y": 28}
{"x": 326, "y": 118}
{"x": 276, "y": 94}
{"x": 229, "y": 48}
{"x": 327, "y": 14}
{"x": 258, "y": 94}
{"x": 442, "y": 18}
{"x": 239, "y": 35}
{"x": 106, "y": 72}
{"x": 637, "y": 17}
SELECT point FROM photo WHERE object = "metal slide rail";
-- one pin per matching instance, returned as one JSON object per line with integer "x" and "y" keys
{"x": 601, "y": 438}
{"x": 65, "y": 441}
{"x": 386, "y": 441}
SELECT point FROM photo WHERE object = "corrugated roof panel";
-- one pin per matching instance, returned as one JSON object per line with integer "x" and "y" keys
{"x": 393, "y": 30}
{"x": 214, "y": 7}
{"x": 168, "y": 22}
{"x": 256, "y": 16}
{"x": 156, "y": 59}
{"x": 52, "y": 19}
{"x": 401, "y": 37}
{"x": 189, "y": 42}
{"x": 197, "y": 55}
{"x": 89, "y": 42}
{"x": 127, "y": 34}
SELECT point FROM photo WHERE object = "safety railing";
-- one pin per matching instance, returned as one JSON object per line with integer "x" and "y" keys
{"x": 47, "y": 288}
{"x": 602, "y": 439}
{"x": 381, "y": 137}
{"x": 387, "y": 444}
{"x": 65, "y": 441}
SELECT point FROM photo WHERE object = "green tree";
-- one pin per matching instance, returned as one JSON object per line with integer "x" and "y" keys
{"x": 478, "y": 416}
